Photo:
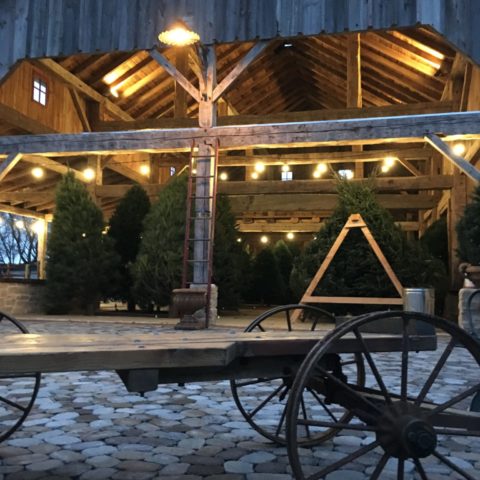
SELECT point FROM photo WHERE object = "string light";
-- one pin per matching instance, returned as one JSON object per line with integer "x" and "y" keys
{"x": 254, "y": 175}
{"x": 145, "y": 169}
{"x": 346, "y": 174}
{"x": 285, "y": 168}
{"x": 89, "y": 174}
{"x": 38, "y": 227}
{"x": 259, "y": 167}
{"x": 239, "y": 240}
{"x": 290, "y": 235}
{"x": 322, "y": 168}
{"x": 459, "y": 149}
{"x": 264, "y": 239}
{"x": 389, "y": 161}
{"x": 224, "y": 176}
{"x": 38, "y": 172}
{"x": 316, "y": 174}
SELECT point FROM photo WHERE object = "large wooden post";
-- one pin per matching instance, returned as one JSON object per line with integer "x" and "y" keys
{"x": 42, "y": 237}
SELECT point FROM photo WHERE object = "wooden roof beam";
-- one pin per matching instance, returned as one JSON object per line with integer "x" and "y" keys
{"x": 402, "y": 129}
{"x": 8, "y": 164}
{"x": 383, "y": 184}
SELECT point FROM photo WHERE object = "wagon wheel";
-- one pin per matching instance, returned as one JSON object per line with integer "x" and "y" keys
{"x": 263, "y": 401}
{"x": 17, "y": 391}
{"x": 413, "y": 404}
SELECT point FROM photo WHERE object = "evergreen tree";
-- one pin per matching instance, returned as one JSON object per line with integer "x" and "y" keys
{"x": 284, "y": 259}
{"x": 228, "y": 257}
{"x": 267, "y": 283}
{"x": 355, "y": 270}
{"x": 158, "y": 267}
{"x": 468, "y": 231}
{"x": 81, "y": 262}
{"x": 126, "y": 226}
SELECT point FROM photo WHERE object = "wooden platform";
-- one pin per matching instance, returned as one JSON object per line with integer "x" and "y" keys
{"x": 171, "y": 350}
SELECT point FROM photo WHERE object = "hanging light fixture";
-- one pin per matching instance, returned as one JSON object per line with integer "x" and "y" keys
{"x": 179, "y": 35}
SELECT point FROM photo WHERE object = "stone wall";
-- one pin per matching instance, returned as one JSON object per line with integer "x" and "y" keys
{"x": 21, "y": 297}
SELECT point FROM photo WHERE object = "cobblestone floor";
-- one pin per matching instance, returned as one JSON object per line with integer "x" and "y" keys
{"x": 85, "y": 426}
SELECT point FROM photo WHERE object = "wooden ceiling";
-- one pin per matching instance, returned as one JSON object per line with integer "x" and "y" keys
{"x": 305, "y": 73}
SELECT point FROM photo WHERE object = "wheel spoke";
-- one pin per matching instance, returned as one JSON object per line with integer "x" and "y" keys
{"x": 458, "y": 433}
{"x": 420, "y": 469}
{"x": 344, "y": 461}
{"x": 434, "y": 374}
{"x": 256, "y": 381}
{"x": 454, "y": 400}
{"x": 373, "y": 366}
{"x": 259, "y": 326}
{"x": 380, "y": 466}
{"x": 12, "y": 404}
{"x": 337, "y": 425}
{"x": 261, "y": 405}
{"x": 346, "y": 387}
{"x": 400, "y": 469}
{"x": 454, "y": 467}
{"x": 404, "y": 378}
{"x": 304, "y": 413}
{"x": 289, "y": 321}
{"x": 322, "y": 403}
{"x": 282, "y": 420}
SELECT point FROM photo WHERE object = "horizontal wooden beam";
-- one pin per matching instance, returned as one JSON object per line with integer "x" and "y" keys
{"x": 328, "y": 157}
{"x": 21, "y": 211}
{"x": 286, "y": 117}
{"x": 413, "y": 128}
{"x": 27, "y": 196}
{"x": 113, "y": 191}
{"x": 242, "y": 204}
{"x": 390, "y": 184}
{"x": 299, "y": 227}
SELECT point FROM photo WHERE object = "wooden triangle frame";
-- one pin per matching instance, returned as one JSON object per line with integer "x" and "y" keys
{"x": 354, "y": 221}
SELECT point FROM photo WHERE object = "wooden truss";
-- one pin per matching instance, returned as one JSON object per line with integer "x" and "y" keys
{"x": 354, "y": 221}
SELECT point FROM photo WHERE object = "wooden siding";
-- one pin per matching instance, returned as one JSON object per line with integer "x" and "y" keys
{"x": 58, "y": 114}
{"x": 40, "y": 28}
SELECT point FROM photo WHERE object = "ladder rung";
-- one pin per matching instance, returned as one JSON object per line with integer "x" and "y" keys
{"x": 198, "y": 261}
{"x": 199, "y": 239}
{"x": 201, "y": 196}
{"x": 203, "y": 176}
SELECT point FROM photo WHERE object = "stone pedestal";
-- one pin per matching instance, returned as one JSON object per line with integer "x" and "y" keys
{"x": 469, "y": 310}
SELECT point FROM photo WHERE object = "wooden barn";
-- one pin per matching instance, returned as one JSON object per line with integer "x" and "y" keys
{"x": 276, "y": 93}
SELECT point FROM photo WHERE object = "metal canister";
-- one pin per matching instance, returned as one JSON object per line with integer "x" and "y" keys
{"x": 420, "y": 300}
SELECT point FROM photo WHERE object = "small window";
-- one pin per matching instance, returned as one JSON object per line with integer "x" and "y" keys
{"x": 39, "y": 91}
{"x": 286, "y": 176}
{"x": 173, "y": 171}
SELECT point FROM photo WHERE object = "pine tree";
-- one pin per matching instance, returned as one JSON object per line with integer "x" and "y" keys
{"x": 228, "y": 257}
{"x": 126, "y": 226}
{"x": 268, "y": 285}
{"x": 468, "y": 231}
{"x": 355, "y": 270}
{"x": 158, "y": 267}
{"x": 81, "y": 262}
{"x": 284, "y": 259}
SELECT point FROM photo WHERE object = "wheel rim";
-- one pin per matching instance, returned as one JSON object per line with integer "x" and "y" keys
{"x": 395, "y": 416}
{"x": 263, "y": 401}
{"x": 17, "y": 392}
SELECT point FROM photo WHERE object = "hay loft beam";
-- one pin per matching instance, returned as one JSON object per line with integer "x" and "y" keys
{"x": 412, "y": 128}
{"x": 8, "y": 164}
{"x": 466, "y": 167}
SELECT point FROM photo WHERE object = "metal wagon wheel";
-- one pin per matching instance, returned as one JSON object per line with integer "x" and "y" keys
{"x": 415, "y": 402}
{"x": 263, "y": 401}
{"x": 17, "y": 391}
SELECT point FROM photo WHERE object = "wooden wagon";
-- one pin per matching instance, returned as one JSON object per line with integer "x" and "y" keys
{"x": 297, "y": 383}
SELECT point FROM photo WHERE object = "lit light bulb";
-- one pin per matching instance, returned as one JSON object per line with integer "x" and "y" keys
{"x": 179, "y": 36}
{"x": 194, "y": 171}
{"x": 322, "y": 168}
{"x": 316, "y": 174}
{"x": 224, "y": 176}
{"x": 38, "y": 227}
{"x": 145, "y": 169}
{"x": 389, "y": 161}
{"x": 459, "y": 149}
{"x": 114, "y": 92}
{"x": 290, "y": 235}
{"x": 89, "y": 174}
{"x": 254, "y": 175}
{"x": 385, "y": 168}
{"x": 259, "y": 167}
{"x": 239, "y": 240}
{"x": 264, "y": 239}
{"x": 285, "y": 168}
{"x": 346, "y": 174}
{"x": 38, "y": 172}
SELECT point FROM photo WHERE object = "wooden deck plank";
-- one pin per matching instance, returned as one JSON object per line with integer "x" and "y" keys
{"x": 61, "y": 353}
